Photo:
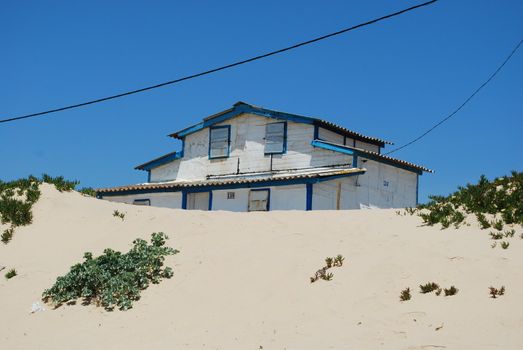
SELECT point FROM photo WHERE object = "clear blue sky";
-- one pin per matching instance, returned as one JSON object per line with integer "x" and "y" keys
{"x": 391, "y": 80}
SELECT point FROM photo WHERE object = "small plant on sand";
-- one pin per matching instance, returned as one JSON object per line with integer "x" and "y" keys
{"x": 60, "y": 183}
{"x": 429, "y": 287}
{"x": 496, "y": 235}
{"x": 438, "y": 291}
{"x": 329, "y": 263}
{"x": 118, "y": 214}
{"x": 327, "y": 276}
{"x": 450, "y": 291}
{"x": 509, "y": 233}
{"x": 504, "y": 244}
{"x": 497, "y": 224}
{"x": 483, "y": 222}
{"x": 10, "y": 274}
{"x": 114, "y": 279}
{"x": 405, "y": 294}
{"x": 7, "y": 235}
{"x": 494, "y": 292}
{"x": 338, "y": 260}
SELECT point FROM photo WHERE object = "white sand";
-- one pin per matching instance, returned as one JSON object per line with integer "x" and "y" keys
{"x": 241, "y": 281}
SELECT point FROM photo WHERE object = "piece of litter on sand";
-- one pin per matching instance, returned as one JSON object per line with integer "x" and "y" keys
{"x": 439, "y": 327}
{"x": 36, "y": 307}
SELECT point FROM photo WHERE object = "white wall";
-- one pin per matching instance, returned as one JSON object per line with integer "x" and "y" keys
{"x": 247, "y": 145}
{"x": 291, "y": 197}
{"x": 164, "y": 199}
{"x": 382, "y": 186}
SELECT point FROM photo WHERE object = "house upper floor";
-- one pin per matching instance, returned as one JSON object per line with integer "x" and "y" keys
{"x": 247, "y": 140}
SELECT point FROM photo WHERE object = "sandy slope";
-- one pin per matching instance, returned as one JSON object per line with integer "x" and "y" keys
{"x": 242, "y": 281}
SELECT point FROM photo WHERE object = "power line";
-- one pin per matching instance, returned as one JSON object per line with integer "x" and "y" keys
{"x": 463, "y": 104}
{"x": 214, "y": 70}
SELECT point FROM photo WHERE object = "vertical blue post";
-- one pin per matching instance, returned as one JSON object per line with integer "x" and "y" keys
{"x": 354, "y": 160}
{"x": 184, "y": 200}
{"x": 210, "y": 200}
{"x": 148, "y": 176}
{"x": 309, "y": 197}
{"x": 316, "y": 132}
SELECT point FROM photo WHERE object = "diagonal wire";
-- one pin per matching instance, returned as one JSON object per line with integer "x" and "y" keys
{"x": 214, "y": 70}
{"x": 463, "y": 104}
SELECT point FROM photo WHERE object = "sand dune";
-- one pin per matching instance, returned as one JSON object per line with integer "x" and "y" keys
{"x": 241, "y": 281}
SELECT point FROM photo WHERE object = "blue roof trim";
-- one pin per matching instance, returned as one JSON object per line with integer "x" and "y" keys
{"x": 241, "y": 107}
{"x": 355, "y": 152}
{"x": 160, "y": 161}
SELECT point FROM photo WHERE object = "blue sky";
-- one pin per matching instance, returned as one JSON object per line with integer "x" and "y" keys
{"x": 392, "y": 80}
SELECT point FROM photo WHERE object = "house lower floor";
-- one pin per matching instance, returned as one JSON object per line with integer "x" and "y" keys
{"x": 350, "y": 189}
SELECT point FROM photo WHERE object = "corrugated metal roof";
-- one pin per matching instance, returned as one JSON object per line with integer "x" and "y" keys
{"x": 240, "y": 179}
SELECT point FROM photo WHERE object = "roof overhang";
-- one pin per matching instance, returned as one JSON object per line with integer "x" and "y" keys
{"x": 242, "y": 107}
{"x": 304, "y": 176}
{"x": 371, "y": 155}
{"x": 169, "y": 157}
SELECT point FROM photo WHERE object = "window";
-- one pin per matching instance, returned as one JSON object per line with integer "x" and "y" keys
{"x": 230, "y": 195}
{"x": 275, "y": 138}
{"x": 259, "y": 200}
{"x": 199, "y": 201}
{"x": 142, "y": 202}
{"x": 219, "y": 141}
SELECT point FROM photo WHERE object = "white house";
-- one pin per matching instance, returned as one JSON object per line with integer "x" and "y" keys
{"x": 248, "y": 158}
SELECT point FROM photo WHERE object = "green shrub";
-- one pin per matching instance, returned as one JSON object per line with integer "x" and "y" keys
{"x": 429, "y": 287}
{"x": 338, "y": 260}
{"x": 88, "y": 191}
{"x": 328, "y": 262}
{"x": 501, "y": 196}
{"x": 405, "y": 294}
{"x": 450, "y": 291}
{"x": 60, "y": 183}
{"x": 505, "y": 244}
{"x": 114, "y": 279}
{"x": 10, "y": 274}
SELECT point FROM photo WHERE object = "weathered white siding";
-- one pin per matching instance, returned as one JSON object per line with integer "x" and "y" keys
{"x": 382, "y": 186}
{"x": 247, "y": 151}
{"x": 165, "y": 200}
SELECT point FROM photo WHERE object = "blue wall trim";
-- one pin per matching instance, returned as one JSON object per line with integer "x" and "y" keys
{"x": 228, "y": 127}
{"x": 308, "y": 205}
{"x": 356, "y": 153}
{"x": 267, "y": 183}
{"x": 184, "y": 199}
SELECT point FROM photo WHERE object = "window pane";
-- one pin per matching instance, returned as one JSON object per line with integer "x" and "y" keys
{"x": 274, "y": 137}
{"x": 219, "y": 142}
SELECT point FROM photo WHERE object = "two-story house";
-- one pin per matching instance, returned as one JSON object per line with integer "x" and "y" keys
{"x": 248, "y": 158}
